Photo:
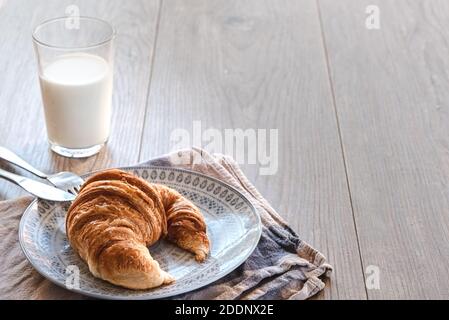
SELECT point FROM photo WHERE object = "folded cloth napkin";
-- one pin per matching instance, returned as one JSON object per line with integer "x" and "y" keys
{"x": 281, "y": 267}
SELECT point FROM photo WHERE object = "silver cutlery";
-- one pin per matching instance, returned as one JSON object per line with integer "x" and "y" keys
{"x": 38, "y": 189}
{"x": 66, "y": 181}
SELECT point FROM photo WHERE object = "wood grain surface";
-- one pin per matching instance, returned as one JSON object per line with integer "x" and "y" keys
{"x": 391, "y": 92}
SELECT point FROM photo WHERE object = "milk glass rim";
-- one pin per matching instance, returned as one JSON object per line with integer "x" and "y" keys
{"x": 94, "y": 45}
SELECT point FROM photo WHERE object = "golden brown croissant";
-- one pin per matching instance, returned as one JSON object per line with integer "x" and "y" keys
{"x": 116, "y": 216}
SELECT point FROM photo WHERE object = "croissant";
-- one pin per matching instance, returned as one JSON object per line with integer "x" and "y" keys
{"x": 117, "y": 215}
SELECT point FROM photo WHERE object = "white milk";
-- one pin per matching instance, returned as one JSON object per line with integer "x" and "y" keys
{"x": 77, "y": 92}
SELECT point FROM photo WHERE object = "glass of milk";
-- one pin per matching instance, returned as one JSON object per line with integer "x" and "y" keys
{"x": 75, "y": 58}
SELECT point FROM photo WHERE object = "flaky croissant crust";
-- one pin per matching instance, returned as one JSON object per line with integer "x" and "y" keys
{"x": 117, "y": 215}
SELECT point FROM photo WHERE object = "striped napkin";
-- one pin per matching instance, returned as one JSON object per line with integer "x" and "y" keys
{"x": 281, "y": 267}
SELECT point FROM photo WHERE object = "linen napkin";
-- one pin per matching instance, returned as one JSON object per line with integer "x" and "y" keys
{"x": 281, "y": 267}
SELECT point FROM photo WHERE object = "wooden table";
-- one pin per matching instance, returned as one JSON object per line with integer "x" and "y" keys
{"x": 362, "y": 115}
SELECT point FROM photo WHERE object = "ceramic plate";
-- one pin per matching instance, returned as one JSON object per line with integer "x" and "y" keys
{"x": 233, "y": 227}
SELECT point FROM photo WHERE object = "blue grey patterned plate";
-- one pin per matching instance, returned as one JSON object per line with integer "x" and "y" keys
{"x": 233, "y": 227}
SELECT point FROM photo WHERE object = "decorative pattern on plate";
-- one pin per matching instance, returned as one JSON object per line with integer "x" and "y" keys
{"x": 233, "y": 227}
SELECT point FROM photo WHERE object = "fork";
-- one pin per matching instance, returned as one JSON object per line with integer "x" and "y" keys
{"x": 64, "y": 180}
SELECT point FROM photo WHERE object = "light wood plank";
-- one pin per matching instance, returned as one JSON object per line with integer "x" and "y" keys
{"x": 23, "y": 128}
{"x": 260, "y": 64}
{"x": 391, "y": 89}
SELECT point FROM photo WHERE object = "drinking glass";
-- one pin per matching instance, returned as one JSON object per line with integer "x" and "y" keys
{"x": 75, "y": 63}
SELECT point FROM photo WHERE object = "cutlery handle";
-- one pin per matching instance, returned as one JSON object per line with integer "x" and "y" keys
{"x": 36, "y": 188}
{"x": 11, "y": 157}
{"x": 12, "y": 177}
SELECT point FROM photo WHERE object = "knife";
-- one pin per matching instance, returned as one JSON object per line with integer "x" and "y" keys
{"x": 36, "y": 188}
